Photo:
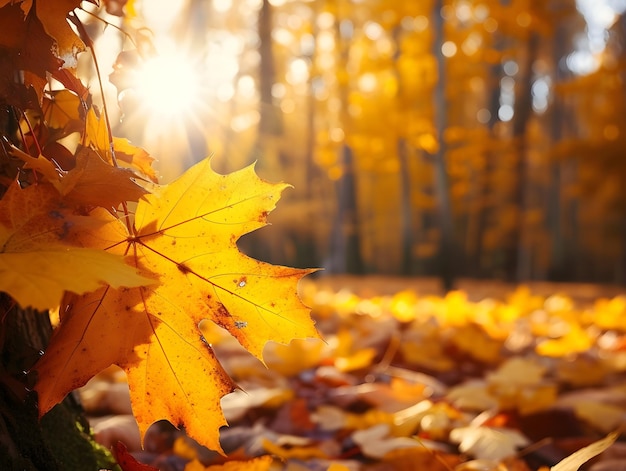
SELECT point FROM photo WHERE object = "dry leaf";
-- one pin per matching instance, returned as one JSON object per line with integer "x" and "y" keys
{"x": 488, "y": 443}
{"x": 376, "y": 442}
{"x": 262, "y": 463}
{"x": 576, "y": 460}
{"x": 40, "y": 259}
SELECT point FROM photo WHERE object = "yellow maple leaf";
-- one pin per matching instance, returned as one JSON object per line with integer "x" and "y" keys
{"x": 62, "y": 108}
{"x": 39, "y": 259}
{"x": 184, "y": 234}
{"x": 35, "y": 278}
{"x": 97, "y": 136}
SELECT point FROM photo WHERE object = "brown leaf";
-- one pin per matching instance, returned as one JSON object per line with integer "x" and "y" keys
{"x": 95, "y": 183}
{"x": 53, "y": 16}
{"x": 29, "y": 46}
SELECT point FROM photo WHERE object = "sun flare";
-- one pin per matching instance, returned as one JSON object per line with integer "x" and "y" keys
{"x": 168, "y": 85}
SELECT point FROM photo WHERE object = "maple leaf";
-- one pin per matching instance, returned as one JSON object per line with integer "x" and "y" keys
{"x": 40, "y": 42}
{"x": 40, "y": 164}
{"x": 39, "y": 259}
{"x": 62, "y": 109}
{"x": 30, "y": 48}
{"x": 53, "y": 16}
{"x": 92, "y": 182}
{"x": 185, "y": 234}
{"x": 97, "y": 136}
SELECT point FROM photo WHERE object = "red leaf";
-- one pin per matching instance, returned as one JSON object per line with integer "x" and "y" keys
{"x": 127, "y": 461}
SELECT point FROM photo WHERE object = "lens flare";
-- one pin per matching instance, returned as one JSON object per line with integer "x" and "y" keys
{"x": 168, "y": 85}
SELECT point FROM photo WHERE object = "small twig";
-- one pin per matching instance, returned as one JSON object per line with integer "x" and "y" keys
{"x": 89, "y": 43}
{"x": 390, "y": 353}
{"x": 534, "y": 447}
{"x": 32, "y": 131}
{"x": 108, "y": 23}
{"x": 434, "y": 454}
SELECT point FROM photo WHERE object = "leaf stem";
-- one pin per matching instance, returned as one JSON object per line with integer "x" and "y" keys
{"x": 89, "y": 43}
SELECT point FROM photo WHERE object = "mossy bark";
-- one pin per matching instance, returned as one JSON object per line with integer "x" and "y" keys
{"x": 61, "y": 439}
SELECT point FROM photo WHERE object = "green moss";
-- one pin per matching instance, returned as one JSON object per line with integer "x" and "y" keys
{"x": 69, "y": 440}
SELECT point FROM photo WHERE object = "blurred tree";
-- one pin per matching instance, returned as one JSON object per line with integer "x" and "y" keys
{"x": 447, "y": 248}
{"x": 416, "y": 130}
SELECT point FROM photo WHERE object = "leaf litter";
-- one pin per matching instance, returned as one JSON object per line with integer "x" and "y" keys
{"x": 408, "y": 380}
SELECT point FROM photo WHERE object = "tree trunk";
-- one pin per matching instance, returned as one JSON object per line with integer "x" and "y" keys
{"x": 447, "y": 247}
{"x": 61, "y": 439}
{"x": 406, "y": 209}
{"x": 518, "y": 260}
{"x": 346, "y": 240}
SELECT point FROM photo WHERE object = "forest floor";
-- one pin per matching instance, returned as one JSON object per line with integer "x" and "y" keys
{"x": 489, "y": 377}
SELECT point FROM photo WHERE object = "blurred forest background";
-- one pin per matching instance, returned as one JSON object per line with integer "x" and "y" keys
{"x": 473, "y": 138}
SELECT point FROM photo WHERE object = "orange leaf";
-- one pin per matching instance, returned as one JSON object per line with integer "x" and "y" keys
{"x": 53, "y": 17}
{"x": 39, "y": 257}
{"x": 40, "y": 164}
{"x": 95, "y": 183}
{"x": 97, "y": 137}
{"x": 185, "y": 235}
{"x": 134, "y": 157}
{"x": 29, "y": 46}
{"x": 61, "y": 108}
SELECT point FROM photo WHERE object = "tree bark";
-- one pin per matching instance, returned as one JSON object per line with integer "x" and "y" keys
{"x": 346, "y": 240}
{"x": 61, "y": 440}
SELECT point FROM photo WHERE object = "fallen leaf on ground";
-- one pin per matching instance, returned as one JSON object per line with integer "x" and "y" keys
{"x": 261, "y": 463}
{"x": 487, "y": 442}
{"x": 576, "y": 460}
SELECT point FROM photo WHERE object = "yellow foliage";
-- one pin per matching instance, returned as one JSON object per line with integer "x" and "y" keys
{"x": 42, "y": 254}
{"x": 609, "y": 314}
{"x": 477, "y": 343}
{"x": 403, "y": 305}
{"x": 575, "y": 340}
{"x": 184, "y": 235}
{"x": 291, "y": 359}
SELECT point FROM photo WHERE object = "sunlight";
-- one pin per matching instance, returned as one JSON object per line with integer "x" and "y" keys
{"x": 168, "y": 85}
